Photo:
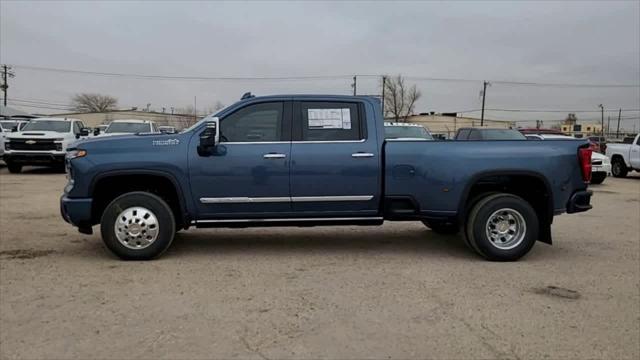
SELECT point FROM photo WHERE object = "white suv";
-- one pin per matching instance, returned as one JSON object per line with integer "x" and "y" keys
{"x": 42, "y": 141}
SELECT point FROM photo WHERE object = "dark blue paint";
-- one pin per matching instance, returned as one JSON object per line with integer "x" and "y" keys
{"x": 435, "y": 174}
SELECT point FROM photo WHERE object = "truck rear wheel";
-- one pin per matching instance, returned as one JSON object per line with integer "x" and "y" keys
{"x": 619, "y": 168}
{"x": 502, "y": 227}
{"x": 14, "y": 168}
{"x": 137, "y": 226}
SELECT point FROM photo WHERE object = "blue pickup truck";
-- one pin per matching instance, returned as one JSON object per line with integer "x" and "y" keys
{"x": 305, "y": 160}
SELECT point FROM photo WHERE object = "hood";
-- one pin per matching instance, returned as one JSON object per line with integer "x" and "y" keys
{"x": 598, "y": 156}
{"x": 39, "y": 134}
{"x": 115, "y": 134}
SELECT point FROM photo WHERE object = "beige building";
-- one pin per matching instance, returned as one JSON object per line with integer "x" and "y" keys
{"x": 180, "y": 121}
{"x": 448, "y": 125}
{"x": 581, "y": 130}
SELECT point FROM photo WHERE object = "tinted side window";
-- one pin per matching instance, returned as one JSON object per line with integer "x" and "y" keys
{"x": 638, "y": 141}
{"x": 475, "y": 135}
{"x": 329, "y": 121}
{"x": 254, "y": 123}
{"x": 76, "y": 127}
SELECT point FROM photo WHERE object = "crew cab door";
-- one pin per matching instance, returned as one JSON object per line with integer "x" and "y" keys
{"x": 247, "y": 173}
{"x": 634, "y": 153}
{"x": 335, "y": 166}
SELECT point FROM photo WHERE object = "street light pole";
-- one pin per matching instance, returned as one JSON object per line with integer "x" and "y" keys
{"x": 601, "y": 124}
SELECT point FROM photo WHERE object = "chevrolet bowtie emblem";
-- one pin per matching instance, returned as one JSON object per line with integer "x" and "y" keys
{"x": 30, "y": 142}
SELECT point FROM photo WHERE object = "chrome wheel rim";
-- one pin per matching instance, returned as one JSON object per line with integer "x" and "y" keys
{"x": 506, "y": 229}
{"x": 136, "y": 228}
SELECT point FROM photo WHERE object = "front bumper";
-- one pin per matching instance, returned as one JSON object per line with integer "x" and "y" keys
{"x": 580, "y": 201}
{"x": 35, "y": 157}
{"x": 76, "y": 211}
{"x": 605, "y": 168}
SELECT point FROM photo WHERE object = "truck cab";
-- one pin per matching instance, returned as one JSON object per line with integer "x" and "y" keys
{"x": 624, "y": 157}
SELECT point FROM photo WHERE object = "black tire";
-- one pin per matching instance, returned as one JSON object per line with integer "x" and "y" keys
{"x": 478, "y": 221}
{"x": 598, "y": 178}
{"x": 442, "y": 228}
{"x": 619, "y": 168}
{"x": 14, "y": 168}
{"x": 159, "y": 209}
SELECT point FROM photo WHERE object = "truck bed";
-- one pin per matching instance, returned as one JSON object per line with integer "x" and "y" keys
{"x": 437, "y": 175}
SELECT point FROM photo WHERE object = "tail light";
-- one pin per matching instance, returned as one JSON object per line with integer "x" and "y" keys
{"x": 584, "y": 157}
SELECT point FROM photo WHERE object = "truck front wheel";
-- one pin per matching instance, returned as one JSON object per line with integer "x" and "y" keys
{"x": 137, "y": 226}
{"x": 619, "y": 168}
{"x": 14, "y": 168}
{"x": 502, "y": 227}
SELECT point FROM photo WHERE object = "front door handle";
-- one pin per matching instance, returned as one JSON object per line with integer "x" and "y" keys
{"x": 361, "y": 155}
{"x": 274, "y": 156}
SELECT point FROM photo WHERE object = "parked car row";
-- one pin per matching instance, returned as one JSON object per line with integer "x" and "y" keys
{"x": 44, "y": 141}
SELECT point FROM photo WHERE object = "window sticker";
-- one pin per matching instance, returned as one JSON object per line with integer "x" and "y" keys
{"x": 329, "y": 118}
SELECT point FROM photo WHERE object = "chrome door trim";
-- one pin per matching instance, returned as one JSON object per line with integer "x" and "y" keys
{"x": 248, "y": 200}
{"x": 327, "y": 141}
{"x": 287, "y": 220}
{"x": 362, "y": 155}
{"x": 243, "y": 200}
{"x": 253, "y": 142}
{"x": 274, "y": 156}
{"x": 331, "y": 198}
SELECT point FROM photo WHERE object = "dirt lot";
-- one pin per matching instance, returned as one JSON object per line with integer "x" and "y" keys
{"x": 398, "y": 291}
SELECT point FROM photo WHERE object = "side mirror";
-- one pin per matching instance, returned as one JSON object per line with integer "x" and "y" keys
{"x": 210, "y": 136}
{"x": 96, "y": 131}
{"x": 84, "y": 132}
{"x": 14, "y": 129}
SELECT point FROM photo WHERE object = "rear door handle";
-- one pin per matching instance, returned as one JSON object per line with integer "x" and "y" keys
{"x": 361, "y": 155}
{"x": 274, "y": 156}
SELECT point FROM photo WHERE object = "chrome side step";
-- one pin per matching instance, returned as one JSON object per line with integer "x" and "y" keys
{"x": 290, "y": 221}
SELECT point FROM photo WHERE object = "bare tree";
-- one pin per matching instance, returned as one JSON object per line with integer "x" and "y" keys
{"x": 219, "y": 106}
{"x": 399, "y": 98}
{"x": 93, "y": 102}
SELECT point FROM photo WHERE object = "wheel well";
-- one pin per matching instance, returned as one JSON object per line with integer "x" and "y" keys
{"x": 108, "y": 188}
{"x": 531, "y": 188}
{"x": 618, "y": 157}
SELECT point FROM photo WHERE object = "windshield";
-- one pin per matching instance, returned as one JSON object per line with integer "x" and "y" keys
{"x": 8, "y": 125}
{"x": 125, "y": 127}
{"x": 48, "y": 125}
{"x": 395, "y": 132}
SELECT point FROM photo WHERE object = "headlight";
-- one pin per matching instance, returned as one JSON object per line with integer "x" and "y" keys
{"x": 76, "y": 153}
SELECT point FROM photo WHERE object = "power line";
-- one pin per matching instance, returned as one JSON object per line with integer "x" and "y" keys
{"x": 546, "y": 111}
{"x": 309, "y": 77}
{"x": 170, "y": 77}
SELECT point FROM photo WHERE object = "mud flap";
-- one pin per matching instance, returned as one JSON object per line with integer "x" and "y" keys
{"x": 544, "y": 232}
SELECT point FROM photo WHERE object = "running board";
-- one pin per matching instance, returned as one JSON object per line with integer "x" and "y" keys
{"x": 302, "y": 222}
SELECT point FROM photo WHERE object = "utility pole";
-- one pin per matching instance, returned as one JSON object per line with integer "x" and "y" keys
{"x": 195, "y": 109}
{"x": 354, "y": 85}
{"x": 618, "y": 129}
{"x": 484, "y": 96}
{"x": 6, "y": 74}
{"x": 601, "y": 123}
{"x": 608, "y": 126}
{"x": 384, "y": 85}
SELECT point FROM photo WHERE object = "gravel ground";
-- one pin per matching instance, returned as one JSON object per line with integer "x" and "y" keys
{"x": 396, "y": 291}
